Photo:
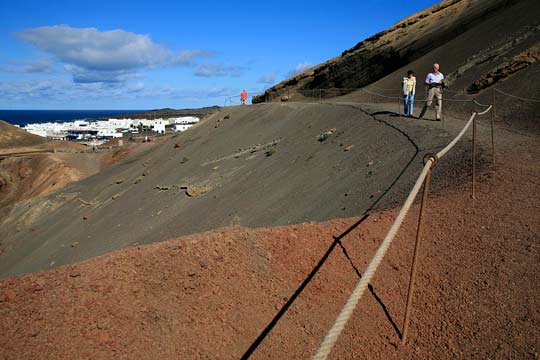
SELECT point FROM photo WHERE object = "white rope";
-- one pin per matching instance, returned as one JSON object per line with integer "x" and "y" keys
{"x": 347, "y": 310}
{"x": 485, "y": 111}
{"x": 447, "y": 148}
{"x": 480, "y": 104}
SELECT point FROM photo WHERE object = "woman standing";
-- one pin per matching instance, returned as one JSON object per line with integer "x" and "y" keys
{"x": 409, "y": 87}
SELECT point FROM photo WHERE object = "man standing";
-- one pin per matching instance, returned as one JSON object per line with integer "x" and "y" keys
{"x": 434, "y": 81}
{"x": 243, "y": 97}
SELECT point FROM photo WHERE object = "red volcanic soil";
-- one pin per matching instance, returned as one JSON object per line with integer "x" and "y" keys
{"x": 211, "y": 295}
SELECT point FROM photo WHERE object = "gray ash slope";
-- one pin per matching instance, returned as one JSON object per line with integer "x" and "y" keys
{"x": 260, "y": 165}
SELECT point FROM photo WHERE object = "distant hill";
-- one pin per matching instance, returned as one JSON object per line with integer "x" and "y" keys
{"x": 168, "y": 112}
{"x": 12, "y": 136}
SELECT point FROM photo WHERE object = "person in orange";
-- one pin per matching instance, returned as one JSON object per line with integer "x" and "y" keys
{"x": 243, "y": 97}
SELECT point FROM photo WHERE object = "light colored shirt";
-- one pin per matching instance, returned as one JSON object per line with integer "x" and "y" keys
{"x": 434, "y": 78}
{"x": 409, "y": 85}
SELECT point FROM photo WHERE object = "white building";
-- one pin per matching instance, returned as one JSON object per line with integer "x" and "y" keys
{"x": 107, "y": 129}
{"x": 186, "y": 120}
{"x": 181, "y": 127}
{"x": 184, "y": 123}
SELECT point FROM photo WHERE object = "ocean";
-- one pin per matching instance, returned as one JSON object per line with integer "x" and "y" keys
{"x": 23, "y": 117}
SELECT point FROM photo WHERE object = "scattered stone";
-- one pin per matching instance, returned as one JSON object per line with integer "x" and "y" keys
{"x": 85, "y": 218}
{"x": 176, "y": 146}
{"x": 270, "y": 152}
{"x": 119, "y": 181}
{"x": 138, "y": 180}
{"x": 115, "y": 196}
{"x": 75, "y": 275}
{"x": 162, "y": 188}
{"x": 348, "y": 148}
{"x": 74, "y": 244}
{"x": 85, "y": 202}
{"x": 184, "y": 160}
{"x": 325, "y": 135}
{"x": 145, "y": 173}
{"x": 369, "y": 163}
{"x": 226, "y": 117}
{"x": 196, "y": 190}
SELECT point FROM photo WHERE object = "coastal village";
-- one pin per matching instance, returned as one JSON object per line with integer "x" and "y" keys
{"x": 97, "y": 132}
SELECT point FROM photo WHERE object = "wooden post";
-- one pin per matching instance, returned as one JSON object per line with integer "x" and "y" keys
{"x": 492, "y": 130}
{"x": 412, "y": 279}
{"x": 474, "y": 157}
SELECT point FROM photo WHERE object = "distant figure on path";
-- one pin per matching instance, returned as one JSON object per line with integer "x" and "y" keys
{"x": 409, "y": 88}
{"x": 434, "y": 81}
{"x": 243, "y": 97}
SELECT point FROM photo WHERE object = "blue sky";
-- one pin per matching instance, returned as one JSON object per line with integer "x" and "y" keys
{"x": 154, "y": 54}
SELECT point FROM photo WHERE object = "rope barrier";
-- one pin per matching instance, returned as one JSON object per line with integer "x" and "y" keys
{"x": 319, "y": 92}
{"x": 347, "y": 310}
{"x": 517, "y": 97}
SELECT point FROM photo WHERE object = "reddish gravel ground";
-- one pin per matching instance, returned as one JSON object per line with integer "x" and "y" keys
{"x": 210, "y": 295}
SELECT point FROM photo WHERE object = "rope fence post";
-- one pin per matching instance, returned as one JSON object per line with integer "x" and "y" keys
{"x": 419, "y": 233}
{"x": 474, "y": 156}
{"x": 492, "y": 127}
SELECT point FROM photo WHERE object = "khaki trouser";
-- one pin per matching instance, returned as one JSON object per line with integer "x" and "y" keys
{"x": 434, "y": 91}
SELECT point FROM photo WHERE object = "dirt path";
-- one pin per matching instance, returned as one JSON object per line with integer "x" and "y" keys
{"x": 212, "y": 295}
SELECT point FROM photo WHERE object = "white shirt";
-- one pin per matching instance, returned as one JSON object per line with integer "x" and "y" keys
{"x": 434, "y": 78}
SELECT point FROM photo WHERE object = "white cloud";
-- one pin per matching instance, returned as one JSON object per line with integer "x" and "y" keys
{"x": 62, "y": 91}
{"x": 91, "y": 55}
{"x": 300, "y": 68}
{"x": 218, "y": 69}
{"x": 186, "y": 57}
{"x": 28, "y": 66}
{"x": 268, "y": 78}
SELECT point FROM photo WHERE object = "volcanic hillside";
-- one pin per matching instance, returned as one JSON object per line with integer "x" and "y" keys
{"x": 264, "y": 165}
{"x": 11, "y": 136}
{"x": 332, "y": 175}
{"x": 31, "y": 166}
{"x": 481, "y": 45}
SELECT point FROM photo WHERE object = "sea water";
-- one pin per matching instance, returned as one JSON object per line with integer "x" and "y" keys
{"x": 23, "y": 117}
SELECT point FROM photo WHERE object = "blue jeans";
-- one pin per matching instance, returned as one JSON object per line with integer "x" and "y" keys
{"x": 408, "y": 102}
